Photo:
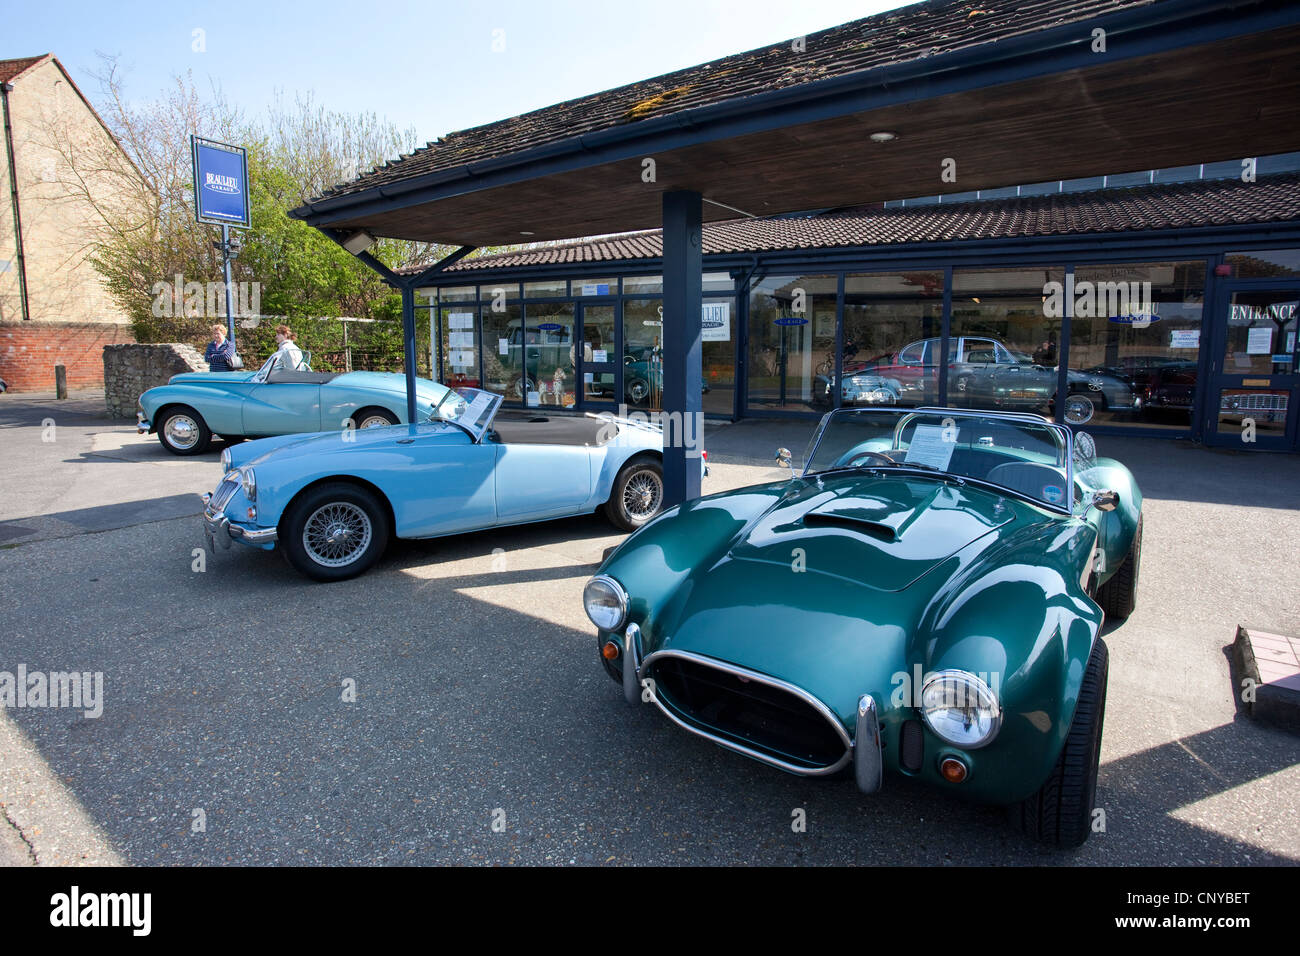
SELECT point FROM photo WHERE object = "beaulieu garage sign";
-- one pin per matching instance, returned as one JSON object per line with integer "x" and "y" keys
{"x": 220, "y": 183}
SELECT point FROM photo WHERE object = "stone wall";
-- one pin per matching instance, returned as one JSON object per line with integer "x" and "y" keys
{"x": 130, "y": 370}
{"x": 30, "y": 350}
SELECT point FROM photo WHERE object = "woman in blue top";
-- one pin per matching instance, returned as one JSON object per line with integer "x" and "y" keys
{"x": 219, "y": 352}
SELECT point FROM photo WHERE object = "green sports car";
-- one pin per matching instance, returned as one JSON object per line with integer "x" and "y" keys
{"x": 924, "y": 599}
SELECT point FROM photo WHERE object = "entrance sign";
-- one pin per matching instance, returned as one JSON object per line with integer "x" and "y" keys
{"x": 220, "y": 183}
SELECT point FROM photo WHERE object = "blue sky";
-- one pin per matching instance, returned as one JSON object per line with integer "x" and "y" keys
{"x": 429, "y": 65}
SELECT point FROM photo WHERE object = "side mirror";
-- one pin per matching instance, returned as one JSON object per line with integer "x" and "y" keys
{"x": 783, "y": 458}
{"x": 1105, "y": 500}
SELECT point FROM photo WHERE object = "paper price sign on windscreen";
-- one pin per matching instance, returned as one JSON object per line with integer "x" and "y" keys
{"x": 929, "y": 446}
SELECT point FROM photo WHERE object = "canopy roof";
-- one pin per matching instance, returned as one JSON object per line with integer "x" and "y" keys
{"x": 1010, "y": 91}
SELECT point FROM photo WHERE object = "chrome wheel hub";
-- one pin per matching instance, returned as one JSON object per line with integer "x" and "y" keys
{"x": 337, "y": 534}
{"x": 181, "y": 431}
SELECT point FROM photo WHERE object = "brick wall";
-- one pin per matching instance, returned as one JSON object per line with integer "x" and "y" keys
{"x": 30, "y": 350}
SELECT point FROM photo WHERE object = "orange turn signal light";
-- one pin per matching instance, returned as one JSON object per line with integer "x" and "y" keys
{"x": 609, "y": 651}
{"x": 953, "y": 770}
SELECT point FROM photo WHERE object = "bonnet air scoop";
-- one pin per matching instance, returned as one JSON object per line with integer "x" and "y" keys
{"x": 854, "y": 518}
{"x": 876, "y": 518}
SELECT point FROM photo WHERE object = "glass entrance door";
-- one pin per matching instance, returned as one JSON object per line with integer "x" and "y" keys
{"x": 1254, "y": 382}
{"x": 599, "y": 360}
{"x": 549, "y": 355}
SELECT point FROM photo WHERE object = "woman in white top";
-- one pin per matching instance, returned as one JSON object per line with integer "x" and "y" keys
{"x": 288, "y": 356}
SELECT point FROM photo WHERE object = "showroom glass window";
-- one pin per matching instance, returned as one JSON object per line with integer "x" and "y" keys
{"x": 503, "y": 349}
{"x": 460, "y": 351}
{"x": 643, "y": 355}
{"x": 1135, "y": 339}
{"x": 791, "y": 342}
{"x": 1002, "y": 353}
{"x": 888, "y": 319}
{"x": 549, "y": 354}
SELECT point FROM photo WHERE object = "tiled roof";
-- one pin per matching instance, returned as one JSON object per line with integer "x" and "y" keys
{"x": 886, "y": 39}
{"x": 1217, "y": 202}
{"x": 11, "y": 68}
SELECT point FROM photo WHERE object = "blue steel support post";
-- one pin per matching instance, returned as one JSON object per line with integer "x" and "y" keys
{"x": 408, "y": 346}
{"x": 683, "y": 403}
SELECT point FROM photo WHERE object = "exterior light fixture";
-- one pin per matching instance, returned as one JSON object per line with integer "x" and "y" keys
{"x": 883, "y": 137}
{"x": 358, "y": 242}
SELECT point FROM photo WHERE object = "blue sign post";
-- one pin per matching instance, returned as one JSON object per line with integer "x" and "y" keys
{"x": 221, "y": 197}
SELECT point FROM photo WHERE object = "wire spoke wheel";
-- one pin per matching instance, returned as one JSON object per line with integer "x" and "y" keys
{"x": 337, "y": 534}
{"x": 374, "y": 421}
{"x": 1079, "y": 409}
{"x": 643, "y": 494}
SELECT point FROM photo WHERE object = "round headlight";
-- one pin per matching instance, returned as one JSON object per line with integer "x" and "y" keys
{"x": 606, "y": 602}
{"x": 249, "y": 481}
{"x": 960, "y": 708}
{"x": 225, "y": 459}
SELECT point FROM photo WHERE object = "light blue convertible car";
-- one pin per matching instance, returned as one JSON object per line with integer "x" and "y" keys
{"x": 193, "y": 406}
{"x": 333, "y": 500}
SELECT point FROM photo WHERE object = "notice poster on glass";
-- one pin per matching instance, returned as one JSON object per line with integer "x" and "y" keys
{"x": 599, "y": 356}
{"x": 1259, "y": 341}
{"x": 460, "y": 320}
{"x": 1185, "y": 339}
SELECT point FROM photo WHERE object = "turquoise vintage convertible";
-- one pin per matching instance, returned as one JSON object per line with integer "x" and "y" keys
{"x": 925, "y": 599}
{"x": 193, "y": 406}
{"x": 333, "y": 500}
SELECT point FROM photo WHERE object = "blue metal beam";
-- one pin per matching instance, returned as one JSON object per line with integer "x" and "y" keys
{"x": 408, "y": 345}
{"x": 683, "y": 404}
{"x": 385, "y": 273}
{"x": 439, "y": 266}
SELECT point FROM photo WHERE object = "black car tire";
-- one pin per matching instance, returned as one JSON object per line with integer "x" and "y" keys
{"x": 179, "y": 420}
{"x": 370, "y": 417}
{"x": 1118, "y": 596}
{"x": 305, "y": 531}
{"x": 637, "y": 495}
{"x": 1060, "y": 813}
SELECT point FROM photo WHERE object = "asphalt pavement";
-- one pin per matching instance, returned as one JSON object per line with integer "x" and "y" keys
{"x": 448, "y": 707}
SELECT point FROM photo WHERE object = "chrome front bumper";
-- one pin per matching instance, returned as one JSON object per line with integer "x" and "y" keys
{"x": 141, "y": 425}
{"x": 219, "y": 530}
{"x": 865, "y": 751}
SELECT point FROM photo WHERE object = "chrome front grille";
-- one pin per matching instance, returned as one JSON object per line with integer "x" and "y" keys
{"x": 225, "y": 491}
{"x": 1264, "y": 403}
{"x": 751, "y": 713}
